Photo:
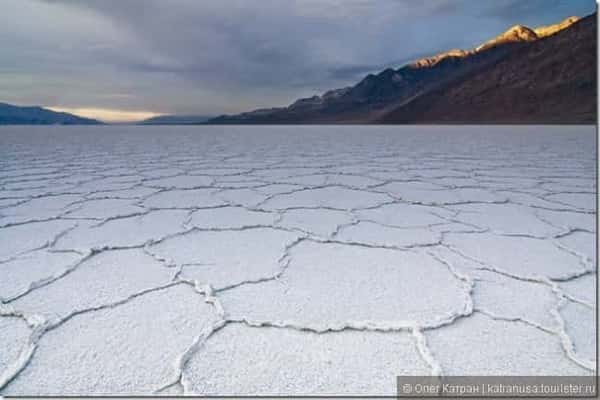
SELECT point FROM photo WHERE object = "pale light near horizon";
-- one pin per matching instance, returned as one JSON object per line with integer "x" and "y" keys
{"x": 107, "y": 115}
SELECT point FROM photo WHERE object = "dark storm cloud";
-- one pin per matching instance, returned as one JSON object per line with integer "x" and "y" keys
{"x": 213, "y": 56}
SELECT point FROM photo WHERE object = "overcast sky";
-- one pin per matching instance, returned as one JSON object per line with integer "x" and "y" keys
{"x": 209, "y": 57}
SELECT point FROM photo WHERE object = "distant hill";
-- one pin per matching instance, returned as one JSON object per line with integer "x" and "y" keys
{"x": 17, "y": 115}
{"x": 541, "y": 75}
{"x": 175, "y": 120}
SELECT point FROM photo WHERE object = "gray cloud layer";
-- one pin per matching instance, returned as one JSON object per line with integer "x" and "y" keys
{"x": 214, "y": 56}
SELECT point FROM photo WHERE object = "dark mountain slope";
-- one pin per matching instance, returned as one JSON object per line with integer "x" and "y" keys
{"x": 552, "y": 80}
{"x": 510, "y": 62}
{"x": 375, "y": 94}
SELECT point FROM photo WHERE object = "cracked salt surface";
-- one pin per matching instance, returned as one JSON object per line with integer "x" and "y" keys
{"x": 17, "y": 240}
{"x": 518, "y": 256}
{"x": 226, "y": 258}
{"x": 580, "y": 321}
{"x": 100, "y": 279}
{"x": 33, "y": 269}
{"x": 292, "y": 260}
{"x": 13, "y": 337}
{"x": 510, "y": 298}
{"x": 124, "y": 349}
{"x": 288, "y": 362}
{"x": 331, "y": 286}
{"x": 230, "y": 218}
{"x": 508, "y": 219}
{"x": 123, "y": 232}
{"x": 488, "y": 346}
{"x": 372, "y": 234}
{"x": 317, "y": 222}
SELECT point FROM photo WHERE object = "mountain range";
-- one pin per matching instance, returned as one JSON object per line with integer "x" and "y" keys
{"x": 541, "y": 75}
{"x": 176, "y": 120}
{"x": 17, "y": 115}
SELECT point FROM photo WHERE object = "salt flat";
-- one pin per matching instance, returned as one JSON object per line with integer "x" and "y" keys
{"x": 292, "y": 260}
